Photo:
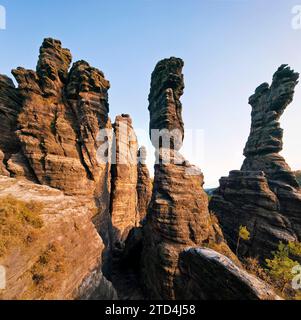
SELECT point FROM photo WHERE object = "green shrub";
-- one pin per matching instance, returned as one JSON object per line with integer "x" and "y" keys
{"x": 281, "y": 266}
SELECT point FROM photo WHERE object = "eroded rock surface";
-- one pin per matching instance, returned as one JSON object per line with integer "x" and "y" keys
{"x": 50, "y": 129}
{"x": 144, "y": 184}
{"x": 208, "y": 275}
{"x": 264, "y": 195}
{"x": 68, "y": 231}
{"x": 124, "y": 173}
{"x": 61, "y": 115}
{"x": 165, "y": 107}
{"x": 178, "y": 215}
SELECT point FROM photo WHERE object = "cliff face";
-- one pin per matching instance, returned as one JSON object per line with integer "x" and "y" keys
{"x": 62, "y": 259}
{"x": 51, "y": 123}
{"x": 62, "y": 113}
{"x": 264, "y": 195}
{"x": 49, "y": 136}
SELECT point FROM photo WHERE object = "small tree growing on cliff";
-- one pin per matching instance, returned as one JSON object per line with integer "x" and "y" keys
{"x": 243, "y": 234}
{"x": 281, "y": 267}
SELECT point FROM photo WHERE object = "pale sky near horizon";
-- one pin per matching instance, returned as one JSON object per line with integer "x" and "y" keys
{"x": 229, "y": 48}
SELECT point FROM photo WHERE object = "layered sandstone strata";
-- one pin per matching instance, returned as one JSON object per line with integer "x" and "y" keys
{"x": 264, "y": 195}
{"x": 62, "y": 259}
{"x": 144, "y": 184}
{"x": 51, "y": 129}
{"x": 51, "y": 124}
{"x": 178, "y": 215}
{"x": 124, "y": 179}
{"x": 62, "y": 113}
{"x": 165, "y": 107}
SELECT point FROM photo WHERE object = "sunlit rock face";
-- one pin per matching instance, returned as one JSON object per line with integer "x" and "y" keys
{"x": 124, "y": 198}
{"x": 50, "y": 127}
{"x": 62, "y": 113}
{"x": 60, "y": 261}
{"x": 264, "y": 195}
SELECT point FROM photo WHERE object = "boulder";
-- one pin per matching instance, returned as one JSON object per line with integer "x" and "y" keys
{"x": 208, "y": 275}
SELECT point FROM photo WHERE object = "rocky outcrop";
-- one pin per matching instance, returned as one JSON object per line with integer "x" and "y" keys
{"x": 62, "y": 113}
{"x": 178, "y": 215}
{"x": 144, "y": 184}
{"x": 208, "y": 275}
{"x": 51, "y": 124}
{"x": 63, "y": 259}
{"x": 52, "y": 127}
{"x": 124, "y": 179}
{"x": 264, "y": 195}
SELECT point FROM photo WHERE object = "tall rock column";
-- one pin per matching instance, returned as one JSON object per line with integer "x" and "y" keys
{"x": 144, "y": 185}
{"x": 124, "y": 179}
{"x": 178, "y": 216}
{"x": 264, "y": 195}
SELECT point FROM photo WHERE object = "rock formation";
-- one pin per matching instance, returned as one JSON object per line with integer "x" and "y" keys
{"x": 178, "y": 215}
{"x": 61, "y": 115}
{"x": 12, "y": 161}
{"x": 264, "y": 195}
{"x": 208, "y": 275}
{"x": 51, "y": 123}
{"x": 102, "y": 229}
{"x": 144, "y": 184}
{"x": 165, "y": 107}
{"x": 49, "y": 135}
{"x": 124, "y": 179}
{"x": 69, "y": 232}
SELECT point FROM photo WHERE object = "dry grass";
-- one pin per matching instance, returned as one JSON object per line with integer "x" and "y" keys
{"x": 253, "y": 266}
{"x": 47, "y": 273}
{"x": 19, "y": 223}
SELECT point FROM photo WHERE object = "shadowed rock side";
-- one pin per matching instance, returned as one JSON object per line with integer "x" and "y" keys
{"x": 12, "y": 160}
{"x": 144, "y": 185}
{"x": 124, "y": 179}
{"x": 178, "y": 215}
{"x": 208, "y": 275}
{"x": 264, "y": 195}
{"x": 298, "y": 176}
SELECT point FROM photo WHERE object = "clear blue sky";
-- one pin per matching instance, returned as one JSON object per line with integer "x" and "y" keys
{"x": 229, "y": 48}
